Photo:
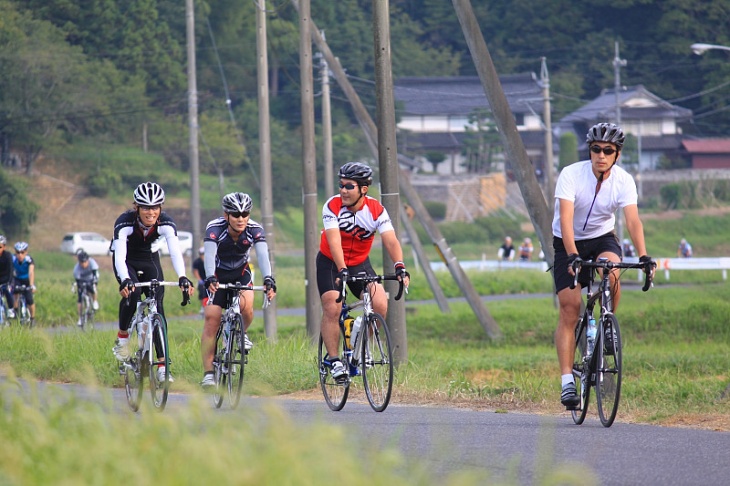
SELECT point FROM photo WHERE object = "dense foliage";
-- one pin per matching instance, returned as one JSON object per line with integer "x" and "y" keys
{"x": 69, "y": 75}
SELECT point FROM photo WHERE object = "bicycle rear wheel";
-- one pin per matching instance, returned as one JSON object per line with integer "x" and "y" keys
{"x": 608, "y": 370}
{"x": 581, "y": 373}
{"x": 133, "y": 371}
{"x": 235, "y": 362}
{"x": 377, "y": 362}
{"x": 220, "y": 377}
{"x": 335, "y": 391}
{"x": 159, "y": 385}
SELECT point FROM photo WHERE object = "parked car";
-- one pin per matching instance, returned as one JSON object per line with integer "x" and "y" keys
{"x": 91, "y": 243}
{"x": 186, "y": 243}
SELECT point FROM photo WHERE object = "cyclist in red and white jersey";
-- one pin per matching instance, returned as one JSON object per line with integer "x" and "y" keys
{"x": 350, "y": 220}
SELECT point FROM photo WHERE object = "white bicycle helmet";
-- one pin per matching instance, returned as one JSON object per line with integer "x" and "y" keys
{"x": 606, "y": 132}
{"x": 3, "y": 240}
{"x": 149, "y": 194}
{"x": 237, "y": 202}
{"x": 21, "y": 246}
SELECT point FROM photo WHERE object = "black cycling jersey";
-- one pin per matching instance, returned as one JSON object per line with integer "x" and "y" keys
{"x": 232, "y": 255}
{"x": 139, "y": 244}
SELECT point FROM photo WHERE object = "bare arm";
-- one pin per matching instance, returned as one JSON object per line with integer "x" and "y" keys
{"x": 567, "y": 210}
{"x": 334, "y": 240}
{"x": 635, "y": 228}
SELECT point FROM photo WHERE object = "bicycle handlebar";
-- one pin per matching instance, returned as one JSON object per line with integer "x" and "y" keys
{"x": 370, "y": 279}
{"x": 255, "y": 288}
{"x": 647, "y": 267}
{"x": 160, "y": 283}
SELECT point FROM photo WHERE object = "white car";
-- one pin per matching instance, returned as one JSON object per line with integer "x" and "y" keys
{"x": 91, "y": 243}
{"x": 186, "y": 243}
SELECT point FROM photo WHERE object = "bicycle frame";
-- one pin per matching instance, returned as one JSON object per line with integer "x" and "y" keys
{"x": 23, "y": 312}
{"x": 4, "y": 320}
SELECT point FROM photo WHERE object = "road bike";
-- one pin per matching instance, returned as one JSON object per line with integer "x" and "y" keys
{"x": 22, "y": 312}
{"x": 231, "y": 356}
{"x": 4, "y": 319}
{"x": 598, "y": 361}
{"x": 147, "y": 334}
{"x": 87, "y": 302}
{"x": 369, "y": 356}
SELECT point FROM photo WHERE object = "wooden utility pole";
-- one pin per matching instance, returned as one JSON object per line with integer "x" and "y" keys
{"x": 267, "y": 204}
{"x": 370, "y": 131}
{"x": 309, "y": 173}
{"x": 547, "y": 116}
{"x": 329, "y": 180}
{"x": 388, "y": 162}
{"x": 193, "y": 125}
{"x": 514, "y": 148}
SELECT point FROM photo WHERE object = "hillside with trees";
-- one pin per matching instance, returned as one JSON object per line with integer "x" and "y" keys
{"x": 112, "y": 73}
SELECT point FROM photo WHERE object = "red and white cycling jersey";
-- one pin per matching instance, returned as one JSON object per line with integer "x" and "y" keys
{"x": 357, "y": 230}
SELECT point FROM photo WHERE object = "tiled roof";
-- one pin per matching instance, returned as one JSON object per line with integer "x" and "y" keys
{"x": 707, "y": 146}
{"x": 461, "y": 95}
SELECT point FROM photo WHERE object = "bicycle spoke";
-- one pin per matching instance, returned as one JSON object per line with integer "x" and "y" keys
{"x": 220, "y": 377}
{"x": 133, "y": 374}
{"x": 581, "y": 374}
{"x": 608, "y": 373}
{"x": 377, "y": 362}
{"x": 235, "y": 361}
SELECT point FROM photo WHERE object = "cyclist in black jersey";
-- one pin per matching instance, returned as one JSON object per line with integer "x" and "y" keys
{"x": 227, "y": 245}
{"x": 134, "y": 261}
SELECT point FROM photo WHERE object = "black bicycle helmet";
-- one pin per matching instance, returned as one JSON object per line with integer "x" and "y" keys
{"x": 358, "y": 172}
{"x": 149, "y": 194}
{"x": 606, "y": 132}
{"x": 237, "y": 202}
{"x": 82, "y": 256}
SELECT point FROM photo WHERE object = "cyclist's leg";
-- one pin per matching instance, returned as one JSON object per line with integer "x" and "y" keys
{"x": 607, "y": 246}
{"x": 213, "y": 312}
{"x": 329, "y": 292}
{"x": 246, "y": 298}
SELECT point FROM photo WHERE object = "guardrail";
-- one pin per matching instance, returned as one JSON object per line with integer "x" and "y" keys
{"x": 663, "y": 264}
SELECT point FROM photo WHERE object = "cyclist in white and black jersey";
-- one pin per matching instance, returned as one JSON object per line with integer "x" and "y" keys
{"x": 227, "y": 246}
{"x": 6, "y": 276}
{"x": 134, "y": 261}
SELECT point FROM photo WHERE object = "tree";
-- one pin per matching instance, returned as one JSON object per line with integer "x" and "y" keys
{"x": 17, "y": 211}
{"x": 568, "y": 150}
{"x": 435, "y": 158}
{"x": 481, "y": 142}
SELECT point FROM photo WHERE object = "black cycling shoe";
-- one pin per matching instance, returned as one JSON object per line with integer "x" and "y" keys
{"x": 569, "y": 397}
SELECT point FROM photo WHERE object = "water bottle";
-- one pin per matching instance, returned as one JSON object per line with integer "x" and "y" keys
{"x": 143, "y": 326}
{"x": 348, "y": 331}
{"x": 591, "y": 334}
{"x": 355, "y": 330}
{"x": 227, "y": 332}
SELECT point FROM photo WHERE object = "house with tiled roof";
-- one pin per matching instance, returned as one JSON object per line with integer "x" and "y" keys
{"x": 433, "y": 116}
{"x": 707, "y": 153}
{"x": 655, "y": 122}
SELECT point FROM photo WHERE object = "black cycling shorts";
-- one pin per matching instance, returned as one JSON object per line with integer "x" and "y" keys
{"x": 327, "y": 274}
{"x": 588, "y": 250}
{"x": 222, "y": 297}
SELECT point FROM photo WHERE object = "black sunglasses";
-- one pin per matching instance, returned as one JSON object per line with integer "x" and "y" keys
{"x": 349, "y": 186}
{"x": 606, "y": 150}
{"x": 240, "y": 215}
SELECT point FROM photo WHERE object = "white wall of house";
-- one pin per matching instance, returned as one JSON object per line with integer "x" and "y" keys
{"x": 455, "y": 124}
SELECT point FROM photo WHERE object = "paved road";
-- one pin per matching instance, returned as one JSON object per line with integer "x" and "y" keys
{"x": 517, "y": 447}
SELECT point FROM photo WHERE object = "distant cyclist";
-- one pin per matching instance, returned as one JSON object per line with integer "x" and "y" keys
{"x": 134, "y": 232}
{"x": 227, "y": 245}
{"x": 24, "y": 268}
{"x": 86, "y": 274}
{"x": 6, "y": 276}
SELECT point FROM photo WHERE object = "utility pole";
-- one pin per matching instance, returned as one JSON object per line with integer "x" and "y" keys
{"x": 618, "y": 63}
{"x": 309, "y": 170}
{"x": 388, "y": 159}
{"x": 193, "y": 124}
{"x": 368, "y": 127}
{"x": 329, "y": 181}
{"x": 547, "y": 116}
{"x": 267, "y": 204}
{"x": 503, "y": 117}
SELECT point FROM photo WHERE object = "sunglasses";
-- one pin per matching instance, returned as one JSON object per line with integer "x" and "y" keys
{"x": 149, "y": 208}
{"x": 349, "y": 186}
{"x": 240, "y": 215}
{"x": 606, "y": 150}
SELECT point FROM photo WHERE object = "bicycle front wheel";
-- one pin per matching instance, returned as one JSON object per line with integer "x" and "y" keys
{"x": 220, "y": 377}
{"x": 377, "y": 362}
{"x": 335, "y": 391}
{"x": 581, "y": 373}
{"x": 24, "y": 313}
{"x": 159, "y": 369}
{"x": 235, "y": 359}
{"x": 608, "y": 370}
{"x": 134, "y": 370}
